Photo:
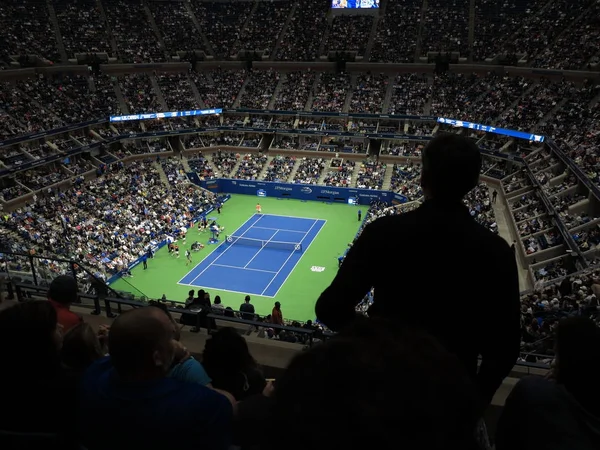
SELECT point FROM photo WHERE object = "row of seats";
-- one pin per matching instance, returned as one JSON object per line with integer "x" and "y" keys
{"x": 560, "y": 35}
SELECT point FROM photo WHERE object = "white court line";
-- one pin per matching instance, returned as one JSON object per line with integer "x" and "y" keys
{"x": 223, "y": 290}
{"x": 243, "y": 268}
{"x": 260, "y": 249}
{"x": 280, "y": 229}
{"x": 293, "y": 217}
{"x": 297, "y": 262}
{"x": 289, "y": 257}
{"x": 224, "y": 251}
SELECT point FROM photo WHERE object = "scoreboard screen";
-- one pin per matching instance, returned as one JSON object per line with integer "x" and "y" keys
{"x": 354, "y": 4}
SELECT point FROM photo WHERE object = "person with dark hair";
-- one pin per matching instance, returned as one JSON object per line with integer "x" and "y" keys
{"x": 63, "y": 292}
{"x": 230, "y": 365}
{"x": 383, "y": 388}
{"x": 429, "y": 268}
{"x": 39, "y": 398}
{"x": 81, "y": 347}
{"x": 562, "y": 410}
{"x": 133, "y": 389}
{"x": 247, "y": 309}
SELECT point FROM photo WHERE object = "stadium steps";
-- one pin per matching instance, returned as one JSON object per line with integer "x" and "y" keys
{"x": 238, "y": 99}
{"x": 356, "y": 172}
{"x": 234, "y": 170}
{"x": 196, "y": 22}
{"x": 387, "y": 100}
{"x": 282, "y": 33}
{"x": 280, "y": 82}
{"x": 263, "y": 172}
{"x": 186, "y": 166}
{"x": 325, "y": 37}
{"x": 471, "y": 29}
{"x": 159, "y": 95}
{"x": 37, "y": 105}
{"x": 311, "y": 95}
{"x": 549, "y": 115}
{"x": 196, "y": 92}
{"x": 59, "y": 41}
{"x": 106, "y": 23}
{"x": 418, "y": 47}
{"x": 503, "y": 217}
{"x": 525, "y": 94}
{"x": 594, "y": 101}
{"x": 580, "y": 20}
{"x": 120, "y": 98}
{"x": 294, "y": 170}
{"x": 353, "y": 83}
{"x": 161, "y": 174}
{"x": 326, "y": 170}
{"x": 372, "y": 36}
{"x": 157, "y": 33}
{"x": 387, "y": 178}
{"x": 525, "y": 24}
{"x": 239, "y": 44}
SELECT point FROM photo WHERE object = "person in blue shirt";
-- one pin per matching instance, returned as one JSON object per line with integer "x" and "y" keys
{"x": 146, "y": 408}
{"x": 359, "y": 215}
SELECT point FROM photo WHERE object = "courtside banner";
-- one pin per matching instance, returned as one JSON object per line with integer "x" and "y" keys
{"x": 301, "y": 191}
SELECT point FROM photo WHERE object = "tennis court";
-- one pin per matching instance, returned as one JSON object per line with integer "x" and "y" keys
{"x": 258, "y": 257}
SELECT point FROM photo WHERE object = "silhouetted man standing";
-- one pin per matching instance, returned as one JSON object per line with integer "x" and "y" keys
{"x": 437, "y": 269}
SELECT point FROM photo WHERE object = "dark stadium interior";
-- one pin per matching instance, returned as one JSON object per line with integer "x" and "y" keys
{"x": 341, "y": 98}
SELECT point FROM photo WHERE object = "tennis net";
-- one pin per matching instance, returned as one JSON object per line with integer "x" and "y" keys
{"x": 277, "y": 245}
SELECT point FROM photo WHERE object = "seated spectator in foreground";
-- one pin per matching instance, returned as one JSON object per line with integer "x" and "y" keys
{"x": 40, "y": 400}
{"x": 80, "y": 348}
{"x": 463, "y": 257}
{"x": 63, "y": 292}
{"x": 383, "y": 389}
{"x": 560, "y": 412}
{"x": 230, "y": 365}
{"x": 146, "y": 408}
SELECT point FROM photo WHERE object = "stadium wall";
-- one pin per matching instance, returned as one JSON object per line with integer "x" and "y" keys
{"x": 302, "y": 192}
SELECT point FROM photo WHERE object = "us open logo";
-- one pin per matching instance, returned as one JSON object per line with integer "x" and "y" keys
{"x": 306, "y": 190}
{"x": 317, "y": 269}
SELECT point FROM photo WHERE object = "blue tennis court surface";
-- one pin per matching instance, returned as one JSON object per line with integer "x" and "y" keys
{"x": 258, "y": 257}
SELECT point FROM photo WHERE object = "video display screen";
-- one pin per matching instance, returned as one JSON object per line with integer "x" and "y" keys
{"x": 354, "y": 4}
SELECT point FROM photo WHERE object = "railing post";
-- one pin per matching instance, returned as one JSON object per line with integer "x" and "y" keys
{"x": 35, "y": 280}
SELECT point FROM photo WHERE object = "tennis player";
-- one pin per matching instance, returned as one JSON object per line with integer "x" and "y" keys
{"x": 188, "y": 256}
{"x": 258, "y": 209}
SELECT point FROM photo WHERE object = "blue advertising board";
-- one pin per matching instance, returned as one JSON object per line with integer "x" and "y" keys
{"x": 300, "y": 191}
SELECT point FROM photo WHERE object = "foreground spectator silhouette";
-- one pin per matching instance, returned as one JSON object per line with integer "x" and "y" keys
{"x": 230, "y": 365}
{"x": 564, "y": 406}
{"x": 382, "y": 389}
{"x": 38, "y": 410}
{"x": 146, "y": 408}
{"x": 63, "y": 292}
{"x": 450, "y": 265}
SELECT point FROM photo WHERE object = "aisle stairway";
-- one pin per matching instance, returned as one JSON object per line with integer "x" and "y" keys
{"x": 59, "y": 41}
{"x": 161, "y": 173}
{"x": 263, "y": 172}
{"x": 325, "y": 171}
{"x": 294, "y": 170}
{"x": 282, "y": 33}
{"x": 355, "y": 173}
{"x": 387, "y": 179}
{"x": 159, "y": 38}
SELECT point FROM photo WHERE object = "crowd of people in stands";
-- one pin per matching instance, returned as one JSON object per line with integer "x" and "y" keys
{"x": 108, "y": 222}
{"x": 340, "y": 173}
{"x": 280, "y": 169}
{"x": 309, "y": 170}
{"x": 251, "y": 165}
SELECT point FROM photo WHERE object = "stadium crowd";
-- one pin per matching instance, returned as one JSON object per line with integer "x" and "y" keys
{"x": 109, "y": 221}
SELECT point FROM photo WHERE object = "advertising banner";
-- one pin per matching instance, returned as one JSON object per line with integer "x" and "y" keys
{"x": 301, "y": 191}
